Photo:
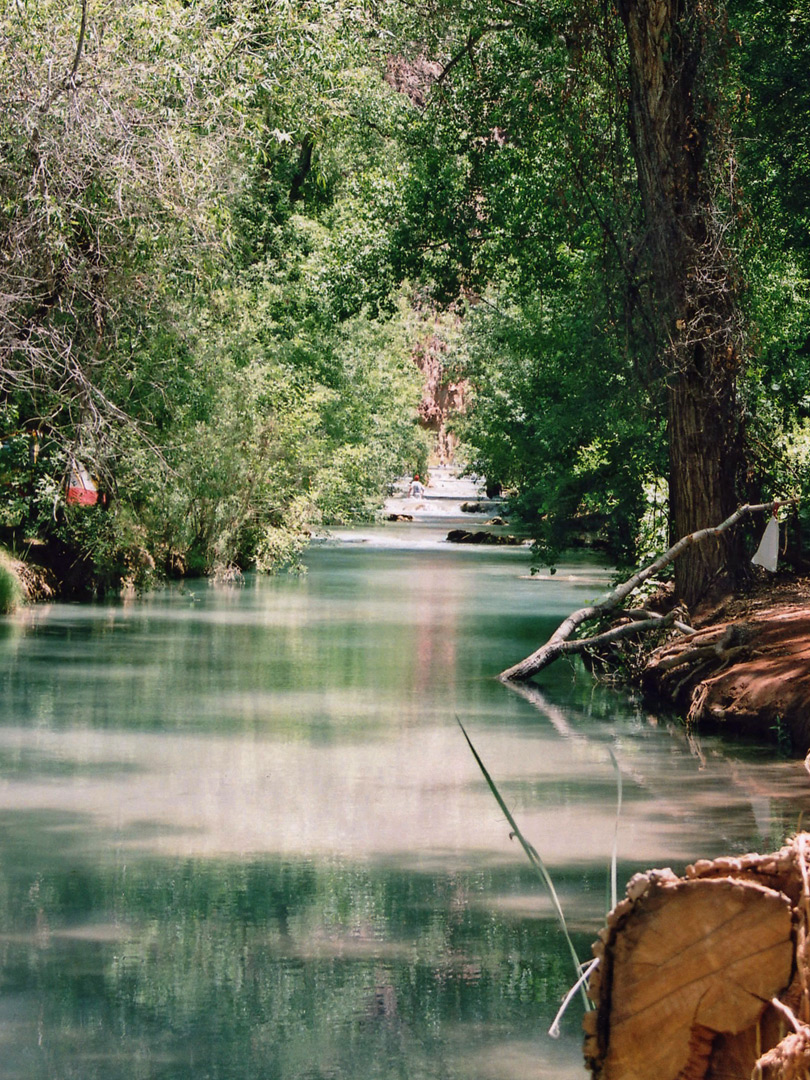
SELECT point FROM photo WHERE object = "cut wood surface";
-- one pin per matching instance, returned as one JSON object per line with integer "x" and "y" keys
{"x": 706, "y": 976}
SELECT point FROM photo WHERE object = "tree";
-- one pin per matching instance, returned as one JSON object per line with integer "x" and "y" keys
{"x": 592, "y": 83}
{"x": 522, "y": 201}
{"x": 111, "y": 143}
{"x": 673, "y": 48}
{"x": 185, "y": 304}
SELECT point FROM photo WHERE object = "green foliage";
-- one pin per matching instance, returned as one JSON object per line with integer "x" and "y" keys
{"x": 223, "y": 219}
{"x": 113, "y": 135}
{"x": 210, "y": 319}
{"x": 774, "y": 105}
{"x": 299, "y": 425}
{"x": 11, "y": 590}
{"x": 775, "y": 169}
{"x": 563, "y": 436}
{"x": 524, "y": 190}
{"x": 521, "y": 197}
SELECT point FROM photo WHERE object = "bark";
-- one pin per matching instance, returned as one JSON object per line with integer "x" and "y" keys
{"x": 669, "y": 43}
{"x": 704, "y": 440}
{"x": 302, "y": 168}
{"x": 706, "y": 976}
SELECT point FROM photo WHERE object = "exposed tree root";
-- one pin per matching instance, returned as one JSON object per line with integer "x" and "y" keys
{"x": 38, "y": 582}
{"x": 681, "y": 672}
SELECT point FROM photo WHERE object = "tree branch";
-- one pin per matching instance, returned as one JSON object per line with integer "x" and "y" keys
{"x": 303, "y": 168}
{"x": 559, "y": 643}
{"x": 80, "y": 43}
{"x": 472, "y": 40}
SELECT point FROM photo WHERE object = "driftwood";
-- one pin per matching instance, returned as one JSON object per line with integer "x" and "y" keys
{"x": 560, "y": 643}
{"x": 706, "y": 976}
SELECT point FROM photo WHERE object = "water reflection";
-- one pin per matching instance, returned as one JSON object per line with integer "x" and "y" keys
{"x": 256, "y": 968}
{"x": 241, "y": 835}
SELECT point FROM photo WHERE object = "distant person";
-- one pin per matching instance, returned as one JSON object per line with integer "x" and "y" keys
{"x": 416, "y": 490}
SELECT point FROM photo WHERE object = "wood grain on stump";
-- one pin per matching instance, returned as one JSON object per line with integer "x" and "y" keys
{"x": 689, "y": 967}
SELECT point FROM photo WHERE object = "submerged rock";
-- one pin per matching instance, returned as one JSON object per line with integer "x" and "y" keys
{"x": 463, "y": 536}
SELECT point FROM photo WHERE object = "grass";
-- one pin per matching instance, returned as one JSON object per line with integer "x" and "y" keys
{"x": 583, "y": 971}
{"x": 11, "y": 590}
{"x": 534, "y": 859}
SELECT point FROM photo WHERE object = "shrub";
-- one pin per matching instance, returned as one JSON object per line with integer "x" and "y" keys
{"x": 11, "y": 590}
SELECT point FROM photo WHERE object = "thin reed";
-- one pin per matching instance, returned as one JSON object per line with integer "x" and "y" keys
{"x": 536, "y": 862}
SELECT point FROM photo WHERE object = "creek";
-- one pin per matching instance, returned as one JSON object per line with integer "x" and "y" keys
{"x": 242, "y": 836}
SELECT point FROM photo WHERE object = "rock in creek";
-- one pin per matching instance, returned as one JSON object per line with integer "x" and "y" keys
{"x": 463, "y": 536}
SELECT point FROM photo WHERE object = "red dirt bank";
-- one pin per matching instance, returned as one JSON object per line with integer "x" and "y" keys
{"x": 748, "y": 667}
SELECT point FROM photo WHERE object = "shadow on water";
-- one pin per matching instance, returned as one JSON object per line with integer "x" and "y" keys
{"x": 241, "y": 834}
{"x": 261, "y": 968}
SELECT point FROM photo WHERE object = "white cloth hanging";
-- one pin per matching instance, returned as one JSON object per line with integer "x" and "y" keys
{"x": 767, "y": 553}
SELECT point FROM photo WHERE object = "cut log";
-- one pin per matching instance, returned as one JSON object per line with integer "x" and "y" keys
{"x": 691, "y": 971}
{"x": 694, "y": 960}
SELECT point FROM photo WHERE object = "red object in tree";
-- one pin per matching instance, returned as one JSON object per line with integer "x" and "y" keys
{"x": 81, "y": 488}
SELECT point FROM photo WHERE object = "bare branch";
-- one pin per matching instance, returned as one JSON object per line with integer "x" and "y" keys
{"x": 80, "y": 43}
{"x": 559, "y": 643}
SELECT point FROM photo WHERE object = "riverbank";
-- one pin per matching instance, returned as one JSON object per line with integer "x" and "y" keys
{"x": 747, "y": 668}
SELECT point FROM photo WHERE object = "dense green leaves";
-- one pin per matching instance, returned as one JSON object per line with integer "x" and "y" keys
{"x": 196, "y": 300}
{"x": 559, "y": 419}
{"x": 227, "y": 224}
{"x": 542, "y": 214}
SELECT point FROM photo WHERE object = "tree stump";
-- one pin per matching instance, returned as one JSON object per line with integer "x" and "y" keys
{"x": 706, "y": 976}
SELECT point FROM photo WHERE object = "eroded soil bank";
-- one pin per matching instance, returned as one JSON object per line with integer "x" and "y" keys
{"x": 748, "y": 665}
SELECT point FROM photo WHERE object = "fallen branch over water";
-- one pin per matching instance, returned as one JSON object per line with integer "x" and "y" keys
{"x": 561, "y": 643}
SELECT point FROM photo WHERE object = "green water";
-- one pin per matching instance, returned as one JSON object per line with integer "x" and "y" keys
{"x": 241, "y": 835}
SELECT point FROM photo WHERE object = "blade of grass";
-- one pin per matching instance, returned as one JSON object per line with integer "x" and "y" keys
{"x": 614, "y": 890}
{"x": 554, "y": 1030}
{"x": 534, "y": 859}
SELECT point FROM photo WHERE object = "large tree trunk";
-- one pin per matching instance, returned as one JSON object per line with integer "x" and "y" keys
{"x": 703, "y": 453}
{"x": 669, "y": 45}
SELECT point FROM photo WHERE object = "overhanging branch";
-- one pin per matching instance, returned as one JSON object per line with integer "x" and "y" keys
{"x": 560, "y": 641}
